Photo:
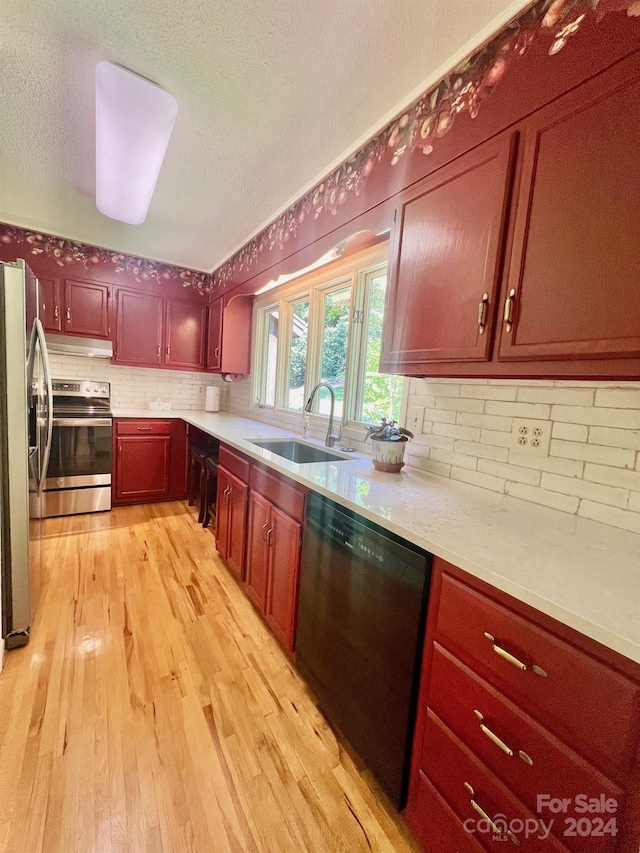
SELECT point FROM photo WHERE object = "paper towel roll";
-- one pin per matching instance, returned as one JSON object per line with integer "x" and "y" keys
{"x": 212, "y": 399}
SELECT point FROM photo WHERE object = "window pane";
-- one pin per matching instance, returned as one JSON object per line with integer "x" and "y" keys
{"x": 381, "y": 392}
{"x": 335, "y": 336}
{"x": 298, "y": 355}
{"x": 270, "y": 355}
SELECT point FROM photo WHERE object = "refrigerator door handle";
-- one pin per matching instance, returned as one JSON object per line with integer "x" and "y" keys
{"x": 49, "y": 391}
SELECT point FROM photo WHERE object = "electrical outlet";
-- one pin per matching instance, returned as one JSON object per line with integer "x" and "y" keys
{"x": 530, "y": 436}
{"x": 415, "y": 416}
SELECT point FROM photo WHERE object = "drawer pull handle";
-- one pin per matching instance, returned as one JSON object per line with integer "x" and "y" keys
{"x": 144, "y": 429}
{"x": 508, "y": 310}
{"x": 482, "y": 312}
{"x": 505, "y": 655}
{"x": 480, "y": 811}
{"x": 269, "y": 532}
{"x": 493, "y": 737}
{"x": 264, "y": 530}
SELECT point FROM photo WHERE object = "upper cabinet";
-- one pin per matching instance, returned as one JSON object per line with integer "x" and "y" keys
{"x": 572, "y": 284}
{"x": 155, "y": 332}
{"x": 544, "y": 283}
{"x": 86, "y": 309}
{"x": 139, "y": 328}
{"x": 446, "y": 255}
{"x": 75, "y": 307}
{"x": 185, "y": 334}
{"x": 214, "y": 335}
{"x": 50, "y": 304}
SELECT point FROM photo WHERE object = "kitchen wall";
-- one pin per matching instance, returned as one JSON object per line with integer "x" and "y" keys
{"x": 593, "y": 465}
{"x": 133, "y": 387}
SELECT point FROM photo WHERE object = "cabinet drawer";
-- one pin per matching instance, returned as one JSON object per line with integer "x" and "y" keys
{"x": 436, "y": 826}
{"x": 463, "y": 780}
{"x": 545, "y": 765}
{"x": 579, "y": 698}
{"x": 278, "y": 490}
{"x": 234, "y": 462}
{"x": 144, "y": 426}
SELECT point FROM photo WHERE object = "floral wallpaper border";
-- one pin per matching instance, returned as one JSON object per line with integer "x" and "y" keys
{"x": 429, "y": 118}
{"x": 67, "y": 252}
{"x": 465, "y": 89}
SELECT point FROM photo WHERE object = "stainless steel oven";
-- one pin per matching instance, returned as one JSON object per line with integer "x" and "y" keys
{"x": 79, "y": 473}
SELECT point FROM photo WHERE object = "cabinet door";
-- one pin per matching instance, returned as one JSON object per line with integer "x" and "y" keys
{"x": 142, "y": 467}
{"x": 86, "y": 308}
{"x": 572, "y": 287}
{"x": 185, "y": 331}
{"x": 214, "y": 335}
{"x": 237, "y": 499}
{"x": 258, "y": 550}
{"x": 138, "y": 328}
{"x": 446, "y": 261}
{"x": 50, "y": 304}
{"x": 282, "y": 596}
{"x": 222, "y": 512}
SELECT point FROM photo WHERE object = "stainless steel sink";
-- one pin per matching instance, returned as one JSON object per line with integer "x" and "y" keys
{"x": 298, "y": 451}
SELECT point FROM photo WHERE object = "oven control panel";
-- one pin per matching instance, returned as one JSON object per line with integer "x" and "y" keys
{"x": 80, "y": 388}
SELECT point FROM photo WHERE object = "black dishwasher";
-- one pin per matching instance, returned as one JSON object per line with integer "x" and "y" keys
{"x": 363, "y": 596}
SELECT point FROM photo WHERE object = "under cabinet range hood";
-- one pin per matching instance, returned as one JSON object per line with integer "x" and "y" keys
{"x": 69, "y": 345}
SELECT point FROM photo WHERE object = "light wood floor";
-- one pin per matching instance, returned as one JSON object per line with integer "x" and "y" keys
{"x": 153, "y": 710}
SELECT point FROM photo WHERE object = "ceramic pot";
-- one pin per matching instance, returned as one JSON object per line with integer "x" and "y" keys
{"x": 388, "y": 455}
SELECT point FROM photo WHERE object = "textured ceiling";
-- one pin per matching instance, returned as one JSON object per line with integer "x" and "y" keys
{"x": 271, "y": 93}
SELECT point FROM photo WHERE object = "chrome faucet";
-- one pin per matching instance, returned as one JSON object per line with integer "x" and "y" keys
{"x": 332, "y": 437}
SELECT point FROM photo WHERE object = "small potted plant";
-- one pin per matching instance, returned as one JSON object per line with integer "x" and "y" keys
{"x": 388, "y": 441}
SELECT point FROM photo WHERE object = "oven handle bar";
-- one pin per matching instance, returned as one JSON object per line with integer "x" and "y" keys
{"x": 80, "y": 422}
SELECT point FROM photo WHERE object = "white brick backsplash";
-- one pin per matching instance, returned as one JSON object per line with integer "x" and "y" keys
{"x": 488, "y": 392}
{"x": 457, "y": 431}
{"x": 610, "y": 515}
{"x": 584, "y": 489}
{"x": 563, "y": 396}
{"x": 629, "y": 438}
{"x": 477, "y": 478}
{"x": 510, "y": 472}
{"x": 593, "y": 416}
{"x": 594, "y": 464}
{"x": 615, "y": 456}
{"x": 518, "y": 410}
{"x": 566, "y": 503}
{"x": 570, "y": 432}
{"x": 484, "y": 451}
{"x": 619, "y": 398}
{"x": 612, "y": 476}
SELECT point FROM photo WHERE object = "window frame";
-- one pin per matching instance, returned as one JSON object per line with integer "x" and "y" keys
{"x": 355, "y": 271}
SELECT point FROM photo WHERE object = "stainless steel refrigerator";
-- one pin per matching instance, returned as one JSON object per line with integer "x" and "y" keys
{"x": 26, "y": 419}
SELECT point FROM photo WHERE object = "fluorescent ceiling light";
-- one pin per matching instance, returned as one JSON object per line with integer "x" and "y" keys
{"x": 134, "y": 120}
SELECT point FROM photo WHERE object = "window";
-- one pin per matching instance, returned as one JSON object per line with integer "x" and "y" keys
{"x": 327, "y": 327}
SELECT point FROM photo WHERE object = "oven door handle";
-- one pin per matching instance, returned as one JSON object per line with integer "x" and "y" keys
{"x": 80, "y": 422}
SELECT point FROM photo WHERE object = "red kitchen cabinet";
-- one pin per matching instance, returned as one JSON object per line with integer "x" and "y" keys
{"x": 214, "y": 335}
{"x": 231, "y": 520}
{"x": 446, "y": 261}
{"x": 513, "y": 705}
{"x": 258, "y": 550}
{"x": 150, "y": 460}
{"x": 86, "y": 308}
{"x": 50, "y": 304}
{"x": 184, "y": 334}
{"x": 572, "y": 286}
{"x": 138, "y": 338}
{"x": 283, "y": 540}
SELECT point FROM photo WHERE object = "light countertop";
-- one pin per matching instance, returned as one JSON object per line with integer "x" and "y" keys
{"x": 580, "y": 572}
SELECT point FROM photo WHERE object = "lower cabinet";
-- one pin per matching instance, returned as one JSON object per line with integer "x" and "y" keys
{"x": 258, "y": 534}
{"x": 527, "y": 733}
{"x": 150, "y": 460}
{"x": 273, "y": 566}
